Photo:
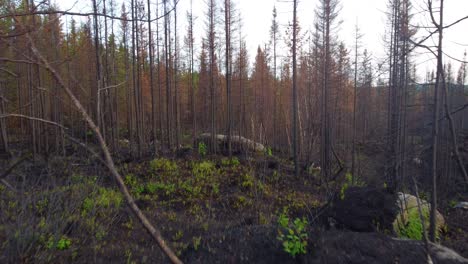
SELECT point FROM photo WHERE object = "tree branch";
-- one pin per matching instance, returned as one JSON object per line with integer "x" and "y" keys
{"x": 52, "y": 12}
{"x": 34, "y": 118}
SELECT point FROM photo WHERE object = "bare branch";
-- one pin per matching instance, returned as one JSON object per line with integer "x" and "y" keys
{"x": 52, "y": 12}
{"x": 34, "y": 118}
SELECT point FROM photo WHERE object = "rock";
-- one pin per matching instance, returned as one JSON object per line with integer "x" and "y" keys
{"x": 124, "y": 143}
{"x": 407, "y": 205}
{"x": 365, "y": 209}
{"x": 258, "y": 244}
{"x": 462, "y": 205}
{"x": 237, "y": 141}
{"x": 352, "y": 247}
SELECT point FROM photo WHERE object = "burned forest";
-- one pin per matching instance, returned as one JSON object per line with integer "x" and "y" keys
{"x": 210, "y": 131}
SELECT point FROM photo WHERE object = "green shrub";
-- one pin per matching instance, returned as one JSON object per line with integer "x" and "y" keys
{"x": 234, "y": 161}
{"x": 268, "y": 152}
{"x": 203, "y": 170}
{"x": 164, "y": 165}
{"x": 166, "y": 188}
{"x": 191, "y": 190}
{"x": 130, "y": 180}
{"x": 62, "y": 244}
{"x": 247, "y": 181}
{"x": 104, "y": 198}
{"x": 151, "y": 188}
{"x": 202, "y": 149}
{"x": 412, "y": 229}
{"x": 196, "y": 242}
{"x": 292, "y": 235}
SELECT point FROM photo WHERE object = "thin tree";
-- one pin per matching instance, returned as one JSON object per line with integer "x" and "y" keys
{"x": 152, "y": 88}
{"x": 327, "y": 15}
{"x": 98, "y": 66}
{"x": 227, "y": 28}
{"x": 190, "y": 41}
{"x": 294, "y": 97}
{"x": 212, "y": 68}
{"x": 274, "y": 35}
{"x": 168, "y": 84}
{"x": 435, "y": 120}
{"x": 357, "y": 37}
{"x": 176, "y": 78}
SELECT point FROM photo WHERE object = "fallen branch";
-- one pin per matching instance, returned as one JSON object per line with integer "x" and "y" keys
{"x": 33, "y": 118}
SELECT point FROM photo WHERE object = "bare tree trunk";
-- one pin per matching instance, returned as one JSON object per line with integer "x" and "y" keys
{"x": 168, "y": 84}
{"x": 176, "y": 80}
{"x": 192, "y": 85}
{"x": 294, "y": 103}
{"x": 211, "y": 33}
{"x": 152, "y": 88}
{"x": 158, "y": 58}
{"x": 435, "y": 128}
{"x": 227, "y": 28}
{"x": 97, "y": 105}
{"x": 353, "y": 147}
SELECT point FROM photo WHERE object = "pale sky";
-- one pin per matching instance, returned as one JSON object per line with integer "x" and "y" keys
{"x": 369, "y": 14}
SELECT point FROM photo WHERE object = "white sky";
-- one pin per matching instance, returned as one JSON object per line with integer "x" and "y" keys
{"x": 370, "y": 14}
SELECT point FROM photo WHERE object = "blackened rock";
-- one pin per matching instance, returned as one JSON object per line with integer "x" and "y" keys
{"x": 365, "y": 209}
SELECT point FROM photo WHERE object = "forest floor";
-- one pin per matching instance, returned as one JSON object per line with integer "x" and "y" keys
{"x": 210, "y": 209}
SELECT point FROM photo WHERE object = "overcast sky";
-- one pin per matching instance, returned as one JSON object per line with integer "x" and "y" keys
{"x": 369, "y": 14}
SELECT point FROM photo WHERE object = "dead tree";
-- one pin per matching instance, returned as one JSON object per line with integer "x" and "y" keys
{"x": 294, "y": 88}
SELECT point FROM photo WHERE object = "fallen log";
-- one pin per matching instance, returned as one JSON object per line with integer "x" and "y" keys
{"x": 238, "y": 143}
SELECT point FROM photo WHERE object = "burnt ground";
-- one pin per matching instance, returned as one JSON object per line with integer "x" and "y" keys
{"x": 210, "y": 210}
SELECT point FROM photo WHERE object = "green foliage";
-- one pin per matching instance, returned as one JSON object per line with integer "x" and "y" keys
{"x": 166, "y": 188}
{"x": 178, "y": 235}
{"x": 349, "y": 183}
{"x": 242, "y": 201}
{"x": 452, "y": 203}
{"x": 196, "y": 242}
{"x": 130, "y": 180}
{"x": 191, "y": 190}
{"x": 202, "y": 149}
{"x": 268, "y": 152}
{"x": 164, "y": 165}
{"x": 151, "y": 187}
{"x": 104, "y": 198}
{"x": 292, "y": 234}
{"x": 412, "y": 227}
{"x": 294, "y": 201}
{"x": 63, "y": 243}
{"x": 234, "y": 162}
{"x": 275, "y": 177}
{"x": 247, "y": 181}
{"x": 203, "y": 182}
{"x": 108, "y": 197}
{"x": 203, "y": 170}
